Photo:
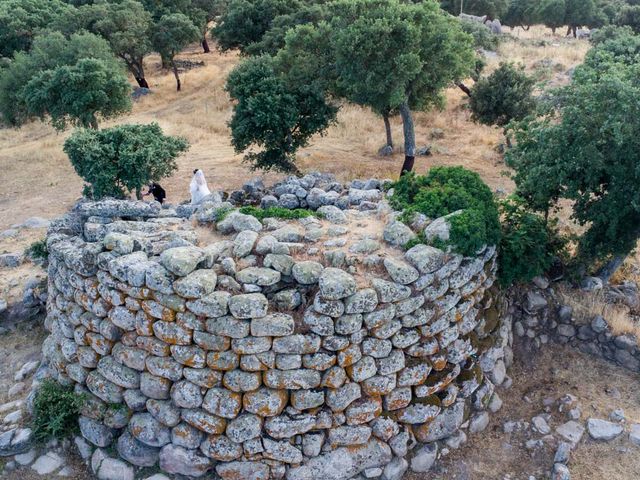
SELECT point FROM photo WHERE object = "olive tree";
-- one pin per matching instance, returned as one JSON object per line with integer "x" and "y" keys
{"x": 69, "y": 80}
{"x": 172, "y": 34}
{"x": 384, "y": 54}
{"x": 275, "y": 114}
{"x": 244, "y": 22}
{"x": 127, "y": 27}
{"x": 588, "y": 153}
{"x": 552, "y": 13}
{"x": 122, "y": 159}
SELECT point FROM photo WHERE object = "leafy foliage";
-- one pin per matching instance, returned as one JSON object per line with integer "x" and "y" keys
{"x": 528, "y": 245}
{"x": 37, "y": 250}
{"x": 72, "y": 80}
{"x": 588, "y": 153}
{"x": 277, "y": 212}
{"x": 482, "y": 35}
{"x": 552, "y": 13}
{"x": 445, "y": 190}
{"x": 55, "y": 411}
{"x": 123, "y": 158}
{"x": 503, "y": 96}
{"x": 22, "y": 20}
{"x": 172, "y": 33}
{"x": 244, "y": 22}
{"x": 522, "y": 13}
{"x": 491, "y": 8}
{"x": 630, "y": 16}
{"x": 274, "y": 113}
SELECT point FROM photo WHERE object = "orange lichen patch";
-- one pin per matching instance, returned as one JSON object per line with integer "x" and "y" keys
{"x": 208, "y": 423}
{"x": 153, "y": 346}
{"x": 421, "y": 432}
{"x": 333, "y": 379}
{"x": 396, "y": 403}
{"x": 129, "y": 339}
{"x": 267, "y": 409}
{"x": 438, "y": 362}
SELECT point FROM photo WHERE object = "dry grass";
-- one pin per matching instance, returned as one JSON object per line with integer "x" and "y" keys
{"x": 587, "y": 305}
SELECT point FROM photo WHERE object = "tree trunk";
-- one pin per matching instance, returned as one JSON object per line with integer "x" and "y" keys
{"x": 93, "y": 123}
{"x": 166, "y": 62}
{"x": 142, "y": 82}
{"x": 387, "y": 129}
{"x": 409, "y": 138}
{"x": 464, "y": 88}
{"x": 138, "y": 194}
{"x": 553, "y": 30}
{"x": 575, "y": 31}
{"x": 611, "y": 267}
{"x": 205, "y": 45}
{"x": 175, "y": 74}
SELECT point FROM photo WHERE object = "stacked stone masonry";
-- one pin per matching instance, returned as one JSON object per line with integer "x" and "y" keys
{"x": 265, "y": 353}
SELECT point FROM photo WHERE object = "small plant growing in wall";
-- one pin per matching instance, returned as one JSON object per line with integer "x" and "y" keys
{"x": 37, "y": 251}
{"x": 55, "y": 411}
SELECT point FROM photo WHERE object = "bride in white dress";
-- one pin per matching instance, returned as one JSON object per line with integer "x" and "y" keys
{"x": 199, "y": 188}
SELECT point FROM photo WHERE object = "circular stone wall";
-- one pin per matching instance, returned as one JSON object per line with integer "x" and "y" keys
{"x": 308, "y": 349}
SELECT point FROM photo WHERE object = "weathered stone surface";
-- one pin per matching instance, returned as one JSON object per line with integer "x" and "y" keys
{"x": 221, "y": 448}
{"x": 244, "y": 427}
{"x": 95, "y": 432}
{"x": 443, "y": 426}
{"x": 180, "y": 461}
{"x": 135, "y": 452}
{"x": 339, "y": 399}
{"x": 273, "y": 325}
{"x": 181, "y": 260}
{"x": 297, "y": 344}
{"x": 425, "y": 258}
{"x": 265, "y": 402}
{"x": 307, "y": 272}
{"x": 258, "y": 276}
{"x": 343, "y": 463}
{"x": 292, "y": 379}
{"x": 397, "y": 233}
{"x": 400, "y": 271}
{"x": 148, "y": 430}
{"x": 244, "y": 242}
{"x": 390, "y": 291}
{"x": 222, "y": 402}
{"x": 212, "y": 305}
{"x": 286, "y": 427}
{"x": 250, "y": 305}
{"x": 336, "y": 284}
{"x": 243, "y": 471}
{"x": 204, "y": 421}
{"x": 197, "y": 284}
{"x": 603, "y": 430}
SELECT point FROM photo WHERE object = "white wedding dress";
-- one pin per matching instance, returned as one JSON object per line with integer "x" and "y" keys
{"x": 199, "y": 188}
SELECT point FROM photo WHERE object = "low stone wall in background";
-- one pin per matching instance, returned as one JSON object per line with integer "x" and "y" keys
{"x": 307, "y": 349}
{"x": 542, "y": 317}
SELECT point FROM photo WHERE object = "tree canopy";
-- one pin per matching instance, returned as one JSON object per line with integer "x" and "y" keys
{"x": 71, "y": 80}
{"x": 383, "y": 54}
{"x": 588, "y": 152}
{"x": 22, "y": 20}
{"x": 122, "y": 159}
{"x": 172, "y": 33}
{"x": 503, "y": 96}
{"x": 274, "y": 113}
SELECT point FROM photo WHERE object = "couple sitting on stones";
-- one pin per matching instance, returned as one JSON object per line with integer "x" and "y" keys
{"x": 199, "y": 189}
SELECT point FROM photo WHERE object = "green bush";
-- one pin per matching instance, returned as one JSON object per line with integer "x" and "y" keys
{"x": 37, "y": 250}
{"x": 123, "y": 158}
{"x": 482, "y": 35}
{"x": 503, "y": 96}
{"x": 277, "y": 212}
{"x": 55, "y": 411}
{"x": 445, "y": 190}
{"x": 528, "y": 245}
